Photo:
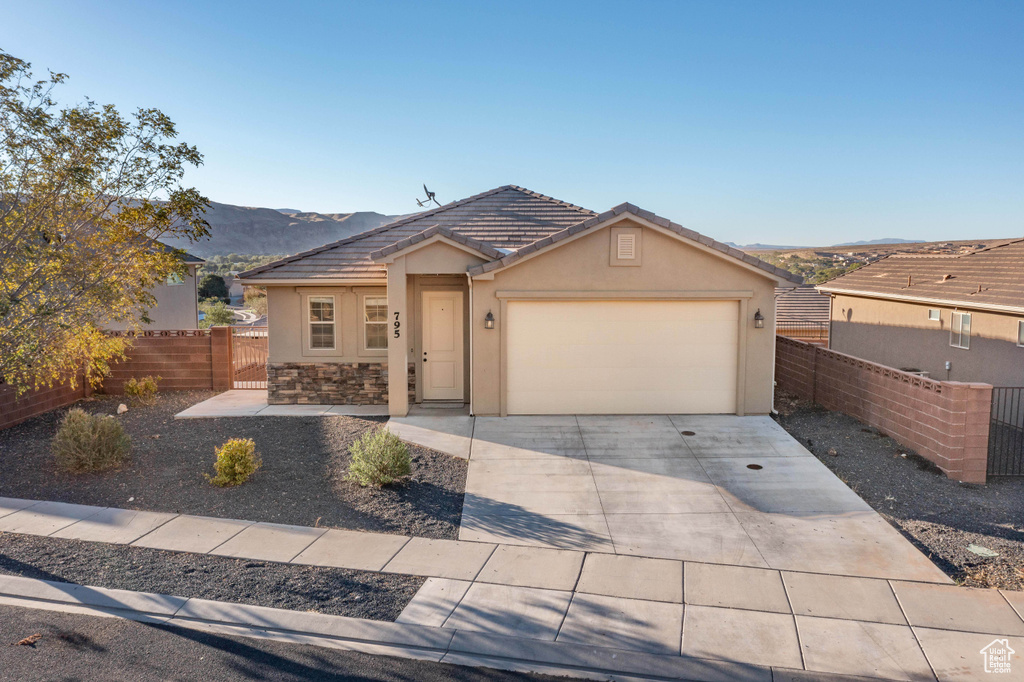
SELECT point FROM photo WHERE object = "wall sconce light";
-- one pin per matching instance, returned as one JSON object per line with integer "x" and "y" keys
{"x": 758, "y": 320}
{"x": 489, "y": 321}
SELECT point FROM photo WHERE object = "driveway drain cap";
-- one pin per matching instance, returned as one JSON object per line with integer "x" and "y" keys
{"x": 755, "y": 467}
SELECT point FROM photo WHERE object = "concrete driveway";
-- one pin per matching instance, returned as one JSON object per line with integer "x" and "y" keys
{"x": 717, "y": 489}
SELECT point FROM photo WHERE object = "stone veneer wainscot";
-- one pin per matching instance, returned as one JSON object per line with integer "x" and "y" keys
{"x": 331, "y": 383}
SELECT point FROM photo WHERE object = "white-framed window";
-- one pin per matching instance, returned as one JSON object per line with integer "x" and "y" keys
{"x": 960, "y": 330}
{"x": 934, "y": 314}
{"x": 321, "y": 323}
{"x": 375, "y": 322}
{"x": 174, "y": 279}
{"x": 1020, "y": 333}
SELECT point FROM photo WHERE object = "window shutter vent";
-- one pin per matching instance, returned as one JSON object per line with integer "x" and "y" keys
{"x": 627, "y": 247}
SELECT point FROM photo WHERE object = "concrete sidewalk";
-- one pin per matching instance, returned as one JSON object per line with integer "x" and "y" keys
{"x": 542, "y": 609}
{"x": 253, "y": 403}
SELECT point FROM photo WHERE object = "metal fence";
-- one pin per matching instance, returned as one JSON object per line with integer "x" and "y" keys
{"x": 1006, "y": 432}
{"x": 814, "y": 332}
{"x": 249, "y": 357}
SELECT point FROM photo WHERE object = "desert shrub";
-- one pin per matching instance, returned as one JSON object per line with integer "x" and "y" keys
{"x": 90, "y": 442}
{"x": 142, "y": 390}
{"x": 236, "y": 462}
{"x": 378, "y": 458}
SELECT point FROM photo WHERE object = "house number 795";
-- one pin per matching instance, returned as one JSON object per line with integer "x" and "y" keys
{"x": 398, "y": 327}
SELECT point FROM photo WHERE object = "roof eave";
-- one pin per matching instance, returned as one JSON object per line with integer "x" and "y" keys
{"x": 923, "y": 299}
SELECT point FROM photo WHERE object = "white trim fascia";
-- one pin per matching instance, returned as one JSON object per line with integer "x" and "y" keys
{"x": 923, "y": 299}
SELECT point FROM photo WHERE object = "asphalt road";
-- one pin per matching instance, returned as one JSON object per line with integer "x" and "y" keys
{"x": 77, "y": 647}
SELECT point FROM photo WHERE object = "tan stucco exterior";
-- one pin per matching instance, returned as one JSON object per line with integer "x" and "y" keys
{"x": 899, "y": 334}
{"x": 670, "y": 269}
{"x": 584, "y": 266}
{"x": 176, "y": 306}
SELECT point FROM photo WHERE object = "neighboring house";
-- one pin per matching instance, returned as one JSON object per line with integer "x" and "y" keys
{"x": 236, "y": 292}
{"x": 517, "y": 303}
{"x": 177, "y": 299}
{"x": 955, "y": 317}
{"x": 802, "y": 313}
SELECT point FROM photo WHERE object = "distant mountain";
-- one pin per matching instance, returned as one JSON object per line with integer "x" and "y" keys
{"x": 764, "y": 247}
{"x": 265, "y": 231}
{"x": 889, "y": 240}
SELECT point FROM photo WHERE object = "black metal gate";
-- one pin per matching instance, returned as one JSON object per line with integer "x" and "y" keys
{"x": 1006, "y": 433}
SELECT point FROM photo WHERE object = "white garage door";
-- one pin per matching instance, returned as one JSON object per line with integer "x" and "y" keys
{"x": 622, "y": 357}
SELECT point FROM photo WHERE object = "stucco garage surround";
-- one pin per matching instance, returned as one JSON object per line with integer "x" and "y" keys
{"x": 578, "y": 332}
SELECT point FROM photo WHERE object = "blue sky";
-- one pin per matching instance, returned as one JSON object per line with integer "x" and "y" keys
{"x": 792, "y": 123}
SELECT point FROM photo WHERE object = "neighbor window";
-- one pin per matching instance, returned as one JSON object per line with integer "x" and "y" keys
{"x": 934, "y": 314}
{"x": 174, "y": 279}
{"x": 375, "y": 312}
{"x": 1020, "y": 333}
{"x": 321, "y": 322}
{"x": 960, "y": 330}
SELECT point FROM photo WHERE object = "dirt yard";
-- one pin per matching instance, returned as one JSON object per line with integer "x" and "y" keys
{"x": 305, "y": 460}
{"x": 941, "y": 516}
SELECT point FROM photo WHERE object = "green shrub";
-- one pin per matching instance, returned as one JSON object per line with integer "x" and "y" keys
{"x": 90, "y": 442}
{"x": 378, "y": 458}
{"x": 142, "y": 390}
{"x": 236, "y": 462}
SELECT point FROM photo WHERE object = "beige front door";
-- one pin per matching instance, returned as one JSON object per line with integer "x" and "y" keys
{"x": 441, "y": 358}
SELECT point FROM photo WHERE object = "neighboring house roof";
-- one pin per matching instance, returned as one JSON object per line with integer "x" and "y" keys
{"x": 802, "y": 304}
{"x": 504, "y": 224}
{"x": 991, "y": 278}
{"x": 506, "y": 217}
{"x": 185, "y": 256}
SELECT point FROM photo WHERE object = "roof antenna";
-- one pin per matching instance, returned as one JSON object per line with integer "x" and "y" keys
{"x": 430, "y": 197}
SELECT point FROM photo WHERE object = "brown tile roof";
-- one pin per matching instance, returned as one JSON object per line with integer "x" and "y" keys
{"x": 650, "y": 217}
{"x": 185, "y": 255}
{"x": 991, "y": 278}
{"x": 483, "y": 248}
{"x": 802, "y": 304}
{"x": 507, "y": 217}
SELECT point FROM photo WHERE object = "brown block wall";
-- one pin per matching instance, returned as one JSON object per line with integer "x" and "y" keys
{"x": 184, "y": 360}
{"x": 946, "y": 422}
{"x": 16, "y": 410}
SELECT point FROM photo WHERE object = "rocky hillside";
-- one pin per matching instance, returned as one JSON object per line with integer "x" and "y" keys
{"x": 258, "y": 231}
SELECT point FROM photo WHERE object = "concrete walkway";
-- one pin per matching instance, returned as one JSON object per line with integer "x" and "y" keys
{"x": 548, "y": 610}
{"x": 716, "y": 488}
{"x": 252, "y": 403}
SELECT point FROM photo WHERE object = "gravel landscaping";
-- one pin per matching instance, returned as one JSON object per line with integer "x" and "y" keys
{"x": 337, "y": 591}
{"x": 305, "y": 460}
{"x": 939, "y": 515}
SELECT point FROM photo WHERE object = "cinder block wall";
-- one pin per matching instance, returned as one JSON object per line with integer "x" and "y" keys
{"x": 183, "y": 360}
{"x": 946, "y": 422}
{"x": 16, "y": 410}
{"x": 191, "y": 359}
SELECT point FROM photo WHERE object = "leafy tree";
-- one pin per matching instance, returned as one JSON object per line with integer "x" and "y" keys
{"x": 256, "y": 300}
{"x": 83, "y": 192}
{"x": 216, "y": 314}
{"x": 213, "y": 286}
